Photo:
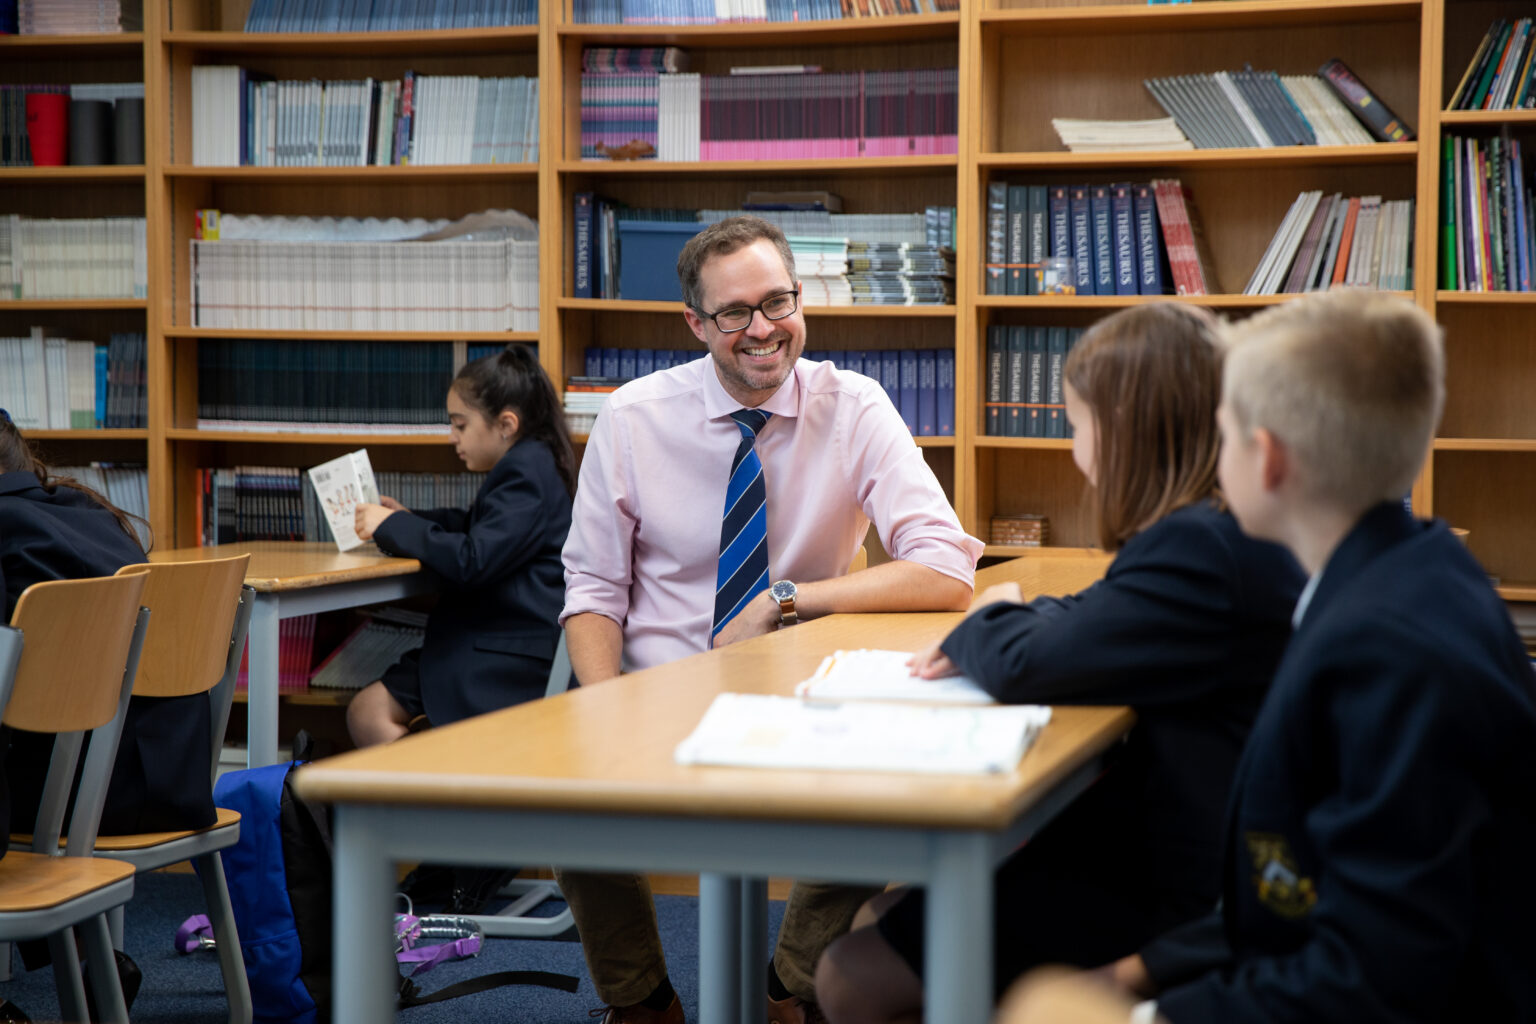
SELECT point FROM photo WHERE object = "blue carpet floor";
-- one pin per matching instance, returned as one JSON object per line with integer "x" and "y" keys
{"x": 188, "y": 989}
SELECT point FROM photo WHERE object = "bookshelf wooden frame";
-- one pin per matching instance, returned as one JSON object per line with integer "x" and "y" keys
{"x": 1411, "y": 51}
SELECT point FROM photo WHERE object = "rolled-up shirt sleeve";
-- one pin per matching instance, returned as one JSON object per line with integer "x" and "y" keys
{"x": 598, "y": 551}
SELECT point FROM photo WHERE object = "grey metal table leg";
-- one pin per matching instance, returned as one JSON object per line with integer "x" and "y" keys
{"x": 719, "y": 948}
{"x": 366, "y": 976}
{"x": 754, "y": 949}
{"x": 261, "y": 699}
{"x": 957, "y": 944}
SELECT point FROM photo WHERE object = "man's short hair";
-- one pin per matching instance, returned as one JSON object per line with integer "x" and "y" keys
{"x": 1351, "y": 381}
{"x": 722, "y": 239}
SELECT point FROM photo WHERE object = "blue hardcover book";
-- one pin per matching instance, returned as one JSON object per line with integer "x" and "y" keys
{"x": 1018, "y": 238}
{"x": 1074, "y": 334}
{"x": 645, "y": 361}
{"x": 1123, "y": 225}
{"x": 908, "y": 403}
{"x": 582, "y": 287}
{"x": 997, "y": 239}
{"x": 1082, "y": 238}
{"x": 1037, "y": 227}
{"x": 1034, "y": 383}
{"x": 1055, "y": 398}
{"x": 851, "y": 360}
{"x": 890, "y": 375}
{"x": 1013, "y": 385}
{"x": 610, "y": 362}
{"x": 627, "y": 363}
{"x": 994, "y": 423}
{"x": 945, "y": 391}
{"x": 101, "y": 384}
{"x": 594, "y": 364}
{"x": 1150, "y": 279}
{"x": 927, "y": 393}
{"x": 1103, "y": 241}
{"x": 1058, "y": 205}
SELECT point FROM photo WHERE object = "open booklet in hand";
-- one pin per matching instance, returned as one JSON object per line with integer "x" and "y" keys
{"x": 884, "y": 675}
{"x": 341, "y": 485}
{"x": 756, "y": 731}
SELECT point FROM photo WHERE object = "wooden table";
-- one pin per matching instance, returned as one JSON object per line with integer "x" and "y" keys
{"x": 293, "y": 578}
{"x": 587, "y": 780}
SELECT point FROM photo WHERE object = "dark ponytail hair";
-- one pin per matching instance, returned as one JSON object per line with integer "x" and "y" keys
{"x": 18, "y": 456}
{"x": 513, "y": 379}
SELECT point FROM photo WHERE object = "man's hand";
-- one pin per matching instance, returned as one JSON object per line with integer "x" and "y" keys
{"x": 759, "y": 616}
{"x": 932, "y": 663}
{"x": 368, "y": 517}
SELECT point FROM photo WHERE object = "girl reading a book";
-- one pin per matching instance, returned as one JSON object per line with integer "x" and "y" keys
{"x": 1186, "y": 626}
{"x": 492, "y": 637}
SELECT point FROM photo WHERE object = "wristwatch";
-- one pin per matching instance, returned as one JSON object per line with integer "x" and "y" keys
{"x": 784, "y": 592}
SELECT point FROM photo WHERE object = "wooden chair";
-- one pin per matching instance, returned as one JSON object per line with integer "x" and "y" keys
{"x": 201, "y": 614}
{"x": 67, "y": 665}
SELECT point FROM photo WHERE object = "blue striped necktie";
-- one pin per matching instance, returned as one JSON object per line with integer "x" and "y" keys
{"x": 743, "y": 570}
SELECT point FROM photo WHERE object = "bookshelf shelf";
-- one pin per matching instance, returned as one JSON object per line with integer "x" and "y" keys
{"x": 1026, "y": 443}
{"x": 1484, "y": 444}
{"x": 850, "y": 166}
{"x": 1286, "y": 156}
{"x": 120, "y": 43}
{"x": 935, "y": 442}
{"x": 457, "y": 41}
{"x": 404, "y": 173}
{"x": 1180, "y": 17}
{"x": 676, "y": 309}
{"x": 1517, "y": 591}
{"x": 115, "y": 434}
{"x": 1223, "y": 301}
{"x": 48, "y": 175}
{"x": 70, "y": 305}
{"x": 1487, "y": 118}
{"x": 1454, "y": 298}
{"x": 766, "y": 34}
{"x": 307, "y": 698}
{"x": 297, "y": 438}
{"x": 526, "y": 337}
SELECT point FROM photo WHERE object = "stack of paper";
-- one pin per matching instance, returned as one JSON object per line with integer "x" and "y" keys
{"x": 883, "y": 675}
{"x": 750, "y": 730}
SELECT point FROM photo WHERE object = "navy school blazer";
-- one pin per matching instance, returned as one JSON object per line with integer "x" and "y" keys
{"x": 491, "y": 639}
{"x": 160, "y": 778}
{"x": 1187, "y": 627}
{"x": 1383, "y": 816}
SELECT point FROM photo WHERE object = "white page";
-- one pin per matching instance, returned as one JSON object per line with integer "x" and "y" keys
{"x": 883, "y": 675}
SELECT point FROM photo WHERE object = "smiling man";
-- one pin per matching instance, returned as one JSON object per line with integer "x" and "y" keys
{"x": 724, "y": 499}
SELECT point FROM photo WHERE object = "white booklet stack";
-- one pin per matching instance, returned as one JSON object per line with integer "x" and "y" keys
{"x": 861, "y": 712}
{"x": 341, "y": 485}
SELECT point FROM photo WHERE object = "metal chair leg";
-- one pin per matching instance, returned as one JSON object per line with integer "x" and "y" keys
{"x": 210, "y": 869}
{"x": 102, "y": 972}
{"x": 115, "y": 925}
{"x": 66, "y": 975}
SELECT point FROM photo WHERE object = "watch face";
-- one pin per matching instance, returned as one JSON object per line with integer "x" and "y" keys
{"x": 783, "y": 590}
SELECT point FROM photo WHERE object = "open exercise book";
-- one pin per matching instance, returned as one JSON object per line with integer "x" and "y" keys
{"x": 859, "y": 713}
{"x": 341, "y": 485}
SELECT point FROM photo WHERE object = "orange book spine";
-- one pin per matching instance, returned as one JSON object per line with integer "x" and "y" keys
{"x": 1346, "y": 239}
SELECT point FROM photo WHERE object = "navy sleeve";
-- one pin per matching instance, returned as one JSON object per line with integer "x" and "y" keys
{"x": 509, "y": 529}
{"x": 1188, "y": 951}
{"x": 1155, "y": 630}
{"x": 453, "y": 519}
{"x": 1396, "y": 837}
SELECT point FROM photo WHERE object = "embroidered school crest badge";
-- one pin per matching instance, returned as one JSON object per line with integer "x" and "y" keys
{"x": 1277, "y": 878}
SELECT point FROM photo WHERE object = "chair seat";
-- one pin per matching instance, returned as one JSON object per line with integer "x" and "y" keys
{"x": 34, "y": 881}
{"x": 142, "y": 840}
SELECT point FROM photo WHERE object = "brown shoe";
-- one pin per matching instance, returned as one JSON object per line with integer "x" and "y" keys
{"x": 794, "y": 1010}
{"x": 638, "y": 1014}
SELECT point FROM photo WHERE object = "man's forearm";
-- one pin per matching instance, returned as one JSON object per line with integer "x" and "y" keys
{"x": 596, "y": 646}
{"x": 892, "y": 587}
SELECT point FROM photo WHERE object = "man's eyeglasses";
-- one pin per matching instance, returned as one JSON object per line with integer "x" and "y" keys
{"x": 739, "y": 318}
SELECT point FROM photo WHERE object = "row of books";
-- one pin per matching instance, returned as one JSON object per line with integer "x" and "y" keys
{"x": 920, "y": 382}
{"x": 240, "y": 118}
{"x": 1502, "y": 74}
{"x": 327, "y": 386}
{"x": 124, "y": 485}
{"x": 1242, "y": 109}
{"x": 295, "y": 655}
{"x": 1127, "y": 238}
{"x": 713, "y": 12}
{"x": 68, "y": 17}
{"x": 61, "y": 384}
{"x": 448, "y": 285}
{"x": 777, "y": 115}
{"x": 385, "y": 15}
{"x": 1338, "y": 239}
{"x": 383, "y": 636}
{"x": 81, "y": 258}
{"x": 1487, "y": 215}
{"x": 245, "y": 503}
{"x": 1023, "y": 381}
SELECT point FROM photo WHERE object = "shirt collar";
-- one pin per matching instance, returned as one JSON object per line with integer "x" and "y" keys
{"x": 718, "y": 403}
{"x": 1305, "y": 599}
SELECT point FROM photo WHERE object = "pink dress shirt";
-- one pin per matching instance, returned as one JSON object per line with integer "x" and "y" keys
{"x": 645, "y": 532}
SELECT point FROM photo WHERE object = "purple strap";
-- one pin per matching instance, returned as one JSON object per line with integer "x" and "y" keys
{"x": 428, "y": 957}
{"x": 195, "y": 933}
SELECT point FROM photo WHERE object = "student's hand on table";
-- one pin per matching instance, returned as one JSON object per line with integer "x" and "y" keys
{"x": 995, "y": 594}
{"x": 368, "y": 517}
{"x": 392, "y": 504}
{"x": 1129, "y": 976}
{"x": 761, "y": 615}
{"x": 932, "y": 663}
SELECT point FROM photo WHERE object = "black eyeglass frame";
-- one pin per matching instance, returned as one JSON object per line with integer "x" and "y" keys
{"x": 793, "y": 293}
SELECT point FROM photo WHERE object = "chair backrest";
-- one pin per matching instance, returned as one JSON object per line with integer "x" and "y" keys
{"x": 79, "y": 646}
{"x": 202, "y": 613}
